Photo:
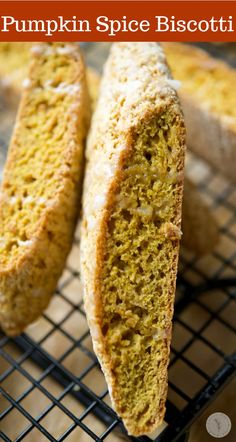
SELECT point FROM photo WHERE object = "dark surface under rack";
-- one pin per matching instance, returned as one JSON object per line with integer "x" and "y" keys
{"x": 51, "y": 384}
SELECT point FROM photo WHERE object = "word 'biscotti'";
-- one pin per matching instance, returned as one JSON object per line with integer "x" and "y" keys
{"x": 209, "y": 103}
{"x": 131, "y": 229}
{"x": 39, "y": 196}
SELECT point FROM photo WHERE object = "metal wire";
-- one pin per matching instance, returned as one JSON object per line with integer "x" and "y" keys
{"x": 73, "y": 385}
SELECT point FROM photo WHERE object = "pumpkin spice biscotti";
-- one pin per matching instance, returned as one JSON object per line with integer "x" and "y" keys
{"x": 209, "y": 104}
{"x": 39, "y": 197}
{"x": 131, "y": 229}
{"x": 199, "y": 227}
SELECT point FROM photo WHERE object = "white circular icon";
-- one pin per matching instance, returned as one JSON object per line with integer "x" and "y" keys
{"x": 218, "y": 425}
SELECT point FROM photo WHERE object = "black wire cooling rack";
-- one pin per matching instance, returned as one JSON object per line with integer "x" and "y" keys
{"x": 51, "y": 384}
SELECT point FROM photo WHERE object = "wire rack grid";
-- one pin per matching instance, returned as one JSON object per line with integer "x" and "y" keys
{"x": 51, "y": 384}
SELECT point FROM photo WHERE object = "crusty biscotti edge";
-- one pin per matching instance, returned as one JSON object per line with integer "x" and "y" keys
{"x": 91, "y": 282}
{"x": 208, "y": 134}
{"x": 18, "y": 304}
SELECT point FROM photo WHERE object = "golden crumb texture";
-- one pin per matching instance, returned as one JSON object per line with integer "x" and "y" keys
{"x": 40, "y": 192}
{"x": 131, "y": 228}
{"x": 208, "y": 102}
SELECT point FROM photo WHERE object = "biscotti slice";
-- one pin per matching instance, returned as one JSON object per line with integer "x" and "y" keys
{"x": 39, "y": 197}
{"x": 131, "y": 229}
{"x": 209, "y": 103}
{"x": 199, "y": 227}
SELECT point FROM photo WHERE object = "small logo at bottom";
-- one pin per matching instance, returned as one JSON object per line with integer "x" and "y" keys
{"x": 218, "y": 425}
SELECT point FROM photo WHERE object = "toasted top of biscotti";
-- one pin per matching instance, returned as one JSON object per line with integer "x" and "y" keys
{"x": 206, "y": 79}
{"x": 47, "y": 132}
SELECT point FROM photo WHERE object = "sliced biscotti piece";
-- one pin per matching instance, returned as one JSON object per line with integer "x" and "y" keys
{"x": 199, "y": 227}
{"x": 200, "y": 230}
{"x": 39, "y": 197}
{"x": 209, "y": 104}
{"x": 131, "y": 229}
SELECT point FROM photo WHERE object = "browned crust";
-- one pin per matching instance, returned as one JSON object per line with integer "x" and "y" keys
{"x": 41, "y": 265}
{"x": 94, "y": 240}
